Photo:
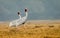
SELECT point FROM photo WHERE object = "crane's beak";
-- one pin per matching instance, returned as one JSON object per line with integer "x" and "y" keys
{"x": 25, "y": 9}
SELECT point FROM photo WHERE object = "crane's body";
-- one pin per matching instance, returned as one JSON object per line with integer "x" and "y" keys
{"x": 19, "y": 21}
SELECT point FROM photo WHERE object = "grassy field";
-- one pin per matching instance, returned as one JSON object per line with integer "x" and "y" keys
{"x": 31, "y": 29}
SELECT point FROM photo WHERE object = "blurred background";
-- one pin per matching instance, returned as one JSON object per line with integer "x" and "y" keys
{"x": 38, "y": 9}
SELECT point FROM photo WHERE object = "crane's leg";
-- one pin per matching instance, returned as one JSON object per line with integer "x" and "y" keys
{"x": 24, "y": 25}
{"x": 10, "y": 24}
{"x": 16, "y": 24}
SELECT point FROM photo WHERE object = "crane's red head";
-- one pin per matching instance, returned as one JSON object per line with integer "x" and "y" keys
{"x": 26, "y": 10}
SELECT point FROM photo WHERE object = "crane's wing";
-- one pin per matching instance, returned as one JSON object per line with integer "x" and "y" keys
{"x": 22, "y": 20}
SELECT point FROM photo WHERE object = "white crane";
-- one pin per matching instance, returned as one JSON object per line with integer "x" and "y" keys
{"x": 19, "y": 21}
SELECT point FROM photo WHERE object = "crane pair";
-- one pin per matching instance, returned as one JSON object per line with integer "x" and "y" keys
{"x": 20, "y": 20}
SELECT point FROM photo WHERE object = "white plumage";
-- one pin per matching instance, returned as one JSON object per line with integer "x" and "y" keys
{"x": 19, "y": 21}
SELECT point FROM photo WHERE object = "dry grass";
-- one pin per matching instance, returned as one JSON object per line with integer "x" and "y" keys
{"x": 31, "y": 30}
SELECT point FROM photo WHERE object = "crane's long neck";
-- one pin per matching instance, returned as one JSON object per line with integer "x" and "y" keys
{"x": 26, "y": 14}
{"x": 20, "y": 16}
